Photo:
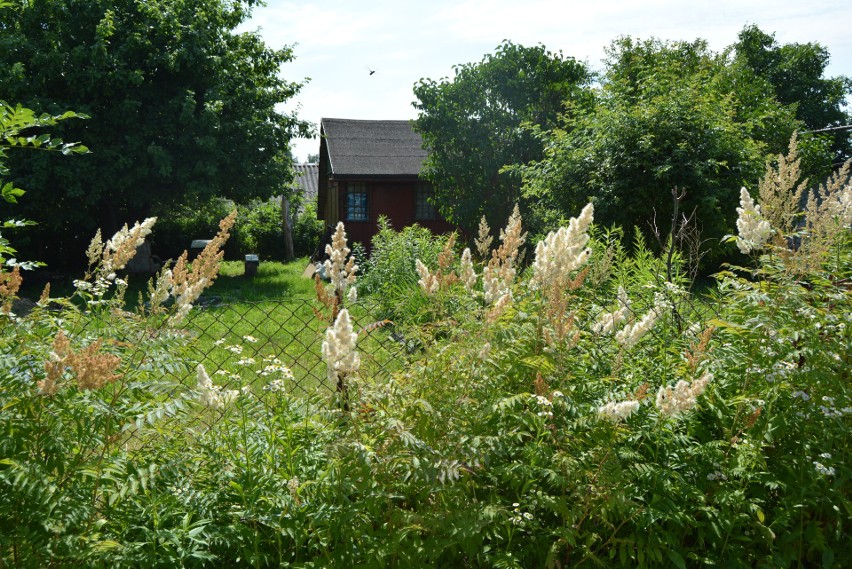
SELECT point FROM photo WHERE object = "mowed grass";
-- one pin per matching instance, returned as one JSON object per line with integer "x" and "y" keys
{"x": 244, "y": 328}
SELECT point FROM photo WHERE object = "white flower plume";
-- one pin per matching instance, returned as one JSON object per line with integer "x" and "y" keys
{"x": 754, "y": 231}
{"x": 338, "y": 349}
{"x": 563, "y": 251}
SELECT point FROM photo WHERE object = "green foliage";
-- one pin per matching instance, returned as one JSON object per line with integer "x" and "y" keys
{"x": 471, "y": 127}
{"x": 307, "y": 230}
{"x": 663, "y": 119}
{"x": 259, "y": 229}
{"x": 389, "y": 275}
{"x": 17, "y": 126}
{"x": 491, "y": 447}
{"x": 795, "y": 73}
{"x": 174, "y": 233}
{"x": 182, "y": 107}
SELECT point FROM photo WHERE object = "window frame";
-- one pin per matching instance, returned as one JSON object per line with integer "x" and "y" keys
{"x": 354, "y": 211}
{"x": 424, "y": 210}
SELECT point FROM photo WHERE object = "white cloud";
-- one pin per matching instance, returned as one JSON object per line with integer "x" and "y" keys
{"x": 338, "y": 40}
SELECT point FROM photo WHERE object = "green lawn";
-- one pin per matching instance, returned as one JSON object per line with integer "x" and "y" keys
{"x": 253, "y": 323}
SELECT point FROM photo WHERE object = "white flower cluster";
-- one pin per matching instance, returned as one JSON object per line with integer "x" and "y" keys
{"x": 671, "y": 402}
{"x": 274, "y": 366}
{"x": 519, "y": 517}
{"x": 213, "y": 395}
{"x": 190, "y": 294}
{"x": 618, "y": 411}
{"x": 545, "y": 405}
{"x": 138, "y": 232}
{"x": 563, "y": 251}
{"x": 466, "y": 273}
{"x": 844, "y": 206}
{"x": 632, "y": 333}
{"x": 338, "y": 349}
{"x": 275, "y": 385}
{"x": 496, "y": 285}
{"x": 340, "y": 268}
{"x": 428, "y": 282}
{"x": 607, "y": 321}
{"x": 824, "y": 470}
{"x": 754, "y": 231}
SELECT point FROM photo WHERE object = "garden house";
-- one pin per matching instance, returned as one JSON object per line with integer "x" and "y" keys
{"x": 368, "y": 169}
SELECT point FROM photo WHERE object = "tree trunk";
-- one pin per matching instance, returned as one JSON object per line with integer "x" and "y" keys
{"x": 287, "y": 228}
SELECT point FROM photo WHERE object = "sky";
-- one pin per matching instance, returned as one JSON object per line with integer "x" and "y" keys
{"x": 337, "y": 43}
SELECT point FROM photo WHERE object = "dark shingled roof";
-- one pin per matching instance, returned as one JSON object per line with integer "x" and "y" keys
{"x": 372, "y": 148}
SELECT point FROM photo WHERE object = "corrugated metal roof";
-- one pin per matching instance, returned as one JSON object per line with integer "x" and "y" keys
{"x": 306, "y": 180}
{"x": 372, "y": 147}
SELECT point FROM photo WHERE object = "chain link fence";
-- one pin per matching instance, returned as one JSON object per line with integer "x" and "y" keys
{"x": 249, "y": 345}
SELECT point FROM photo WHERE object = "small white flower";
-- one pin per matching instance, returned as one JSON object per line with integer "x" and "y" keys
{"x": 250, "y": 339}
{"x": 618, "y": 411}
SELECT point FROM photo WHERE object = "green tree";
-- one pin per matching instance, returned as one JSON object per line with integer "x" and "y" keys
{"x": 795, "y": 73}
{"x": 471, "y": 126}
{"x": 20, "y": 129}
{"x": 182, "y": 108}
{"x": 663, "y": 119}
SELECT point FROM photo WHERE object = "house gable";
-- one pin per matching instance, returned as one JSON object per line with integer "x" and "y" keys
{"x": 369, "y": 169}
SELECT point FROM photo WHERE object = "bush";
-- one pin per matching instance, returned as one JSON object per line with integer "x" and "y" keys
{"x": 307, "y": 231}
{"x": 563, "y": 417}
{"x": 260, "y": 230}
{"x": 389, "y": 275}
{"x": 175, "y": 231}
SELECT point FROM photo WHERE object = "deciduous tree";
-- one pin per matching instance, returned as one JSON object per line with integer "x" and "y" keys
{"x": 472, "y": 126}
{"x": 182, "y": 107}
{"x": 663, "y": 119}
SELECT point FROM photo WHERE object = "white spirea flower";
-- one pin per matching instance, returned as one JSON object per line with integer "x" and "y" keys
{"x": 681, "y": 398}
{"x": 754, "y": 231}
{"x": 162, "y": 288}
{"x": 466, "y": 272}
{"x": 618, "y": 411}
{"x": 353, "y": 295}
{"x": 632, "y": 333}
{"x": 563, "y": 251}
{"x": 339, "y": 270}
{"x": 840, "y": 206}
{"x": 428, "y": 282}
{"x": 183, "y": 302}
{"x": 338, "y": 349}
{"x": 497, "y": 282}
{"x": 607, "y": 321}
{"x": 123, "y": 234}
{"x": 211, "y": 394}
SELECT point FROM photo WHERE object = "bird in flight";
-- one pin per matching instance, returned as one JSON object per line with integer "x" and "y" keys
{"x": 372, "y": 71}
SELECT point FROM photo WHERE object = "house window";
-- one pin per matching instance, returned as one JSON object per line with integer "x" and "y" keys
{"x": 423, "y": 209}
{"x": 356, "y": 202}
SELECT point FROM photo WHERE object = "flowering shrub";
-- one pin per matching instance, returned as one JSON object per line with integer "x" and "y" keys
{"x": 591, "y": 414}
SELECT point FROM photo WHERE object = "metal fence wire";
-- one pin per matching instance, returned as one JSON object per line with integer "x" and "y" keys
{"x": 248, "y": 345}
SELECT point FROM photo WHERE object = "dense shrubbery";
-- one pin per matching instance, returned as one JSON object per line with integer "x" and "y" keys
{"x": 388, "y": 274}
{"x": 258, "y": 230}
{"x": 586, "y": 411}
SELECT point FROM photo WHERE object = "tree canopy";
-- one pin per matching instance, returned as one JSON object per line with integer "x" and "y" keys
{"x": 472, "y": 126}
{"x": 182, "y": 108}
{"x": 663, "y": 118}
{"x": 795, "y": 74}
